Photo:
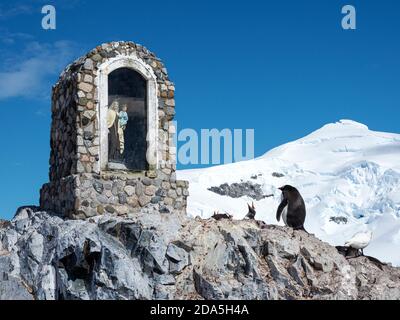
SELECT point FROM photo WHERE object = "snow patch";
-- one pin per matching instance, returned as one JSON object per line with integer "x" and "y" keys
{"x": 344, "y": 171}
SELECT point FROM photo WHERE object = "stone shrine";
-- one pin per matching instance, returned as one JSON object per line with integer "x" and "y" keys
{"x": 112, "y": 146}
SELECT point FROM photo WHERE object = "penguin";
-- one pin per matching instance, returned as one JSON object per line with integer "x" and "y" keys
{"x": 292, "y": 208}
{"x": 360, "y": 241}
{"x": 252, "y": 212}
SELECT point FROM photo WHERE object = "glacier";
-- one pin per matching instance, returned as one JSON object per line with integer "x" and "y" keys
{"x": 349, "y": 177}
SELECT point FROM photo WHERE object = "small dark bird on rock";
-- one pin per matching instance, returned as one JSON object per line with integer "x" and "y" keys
{"x": 252, "y": 212}
{"x": 218, "y": 216}
{"x": 292, "y": 208}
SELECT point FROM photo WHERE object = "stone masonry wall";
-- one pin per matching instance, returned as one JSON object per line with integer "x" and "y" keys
{"x": 64, "y": 130}
{"x": 87, "y": 195}
{"x": 77, "y": 188}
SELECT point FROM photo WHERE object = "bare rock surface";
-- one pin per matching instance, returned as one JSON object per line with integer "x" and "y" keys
{"x": 154, "y": 255}
{"x": 237, "y": 190}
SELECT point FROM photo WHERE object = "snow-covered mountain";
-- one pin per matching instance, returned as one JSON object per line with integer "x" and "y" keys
{"x": 348, "y": 175}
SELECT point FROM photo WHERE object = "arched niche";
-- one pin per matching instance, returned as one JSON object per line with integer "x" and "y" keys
{"x": 127, "y": 81}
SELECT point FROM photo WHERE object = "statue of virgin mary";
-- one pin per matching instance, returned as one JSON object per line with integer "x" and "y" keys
{"x": 114, "y": 153}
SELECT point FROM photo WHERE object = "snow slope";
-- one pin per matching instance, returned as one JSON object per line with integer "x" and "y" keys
{"x": 342, "y": 170}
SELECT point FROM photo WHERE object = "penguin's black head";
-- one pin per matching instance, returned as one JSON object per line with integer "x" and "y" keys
{"x": 288, "y": 190}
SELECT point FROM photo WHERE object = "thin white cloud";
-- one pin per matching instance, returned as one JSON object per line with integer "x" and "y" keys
{"x": 31, "y": 73}
{"x": 10, "y": 38}
{"x": 8, "y": 11}
{"x": 15, "y": 8}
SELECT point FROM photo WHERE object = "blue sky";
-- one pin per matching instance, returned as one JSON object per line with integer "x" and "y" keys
{"x": 284, "y": 68}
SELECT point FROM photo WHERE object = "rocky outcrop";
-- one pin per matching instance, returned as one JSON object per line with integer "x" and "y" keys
{"x": 237, "y": 190}
{"x": 151, "y": 255}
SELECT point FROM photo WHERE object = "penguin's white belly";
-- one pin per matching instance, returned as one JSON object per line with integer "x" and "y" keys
{"x": 359, "y": 245}
{"x": 284, "y": 215}
{"x": 359, "y": 241}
